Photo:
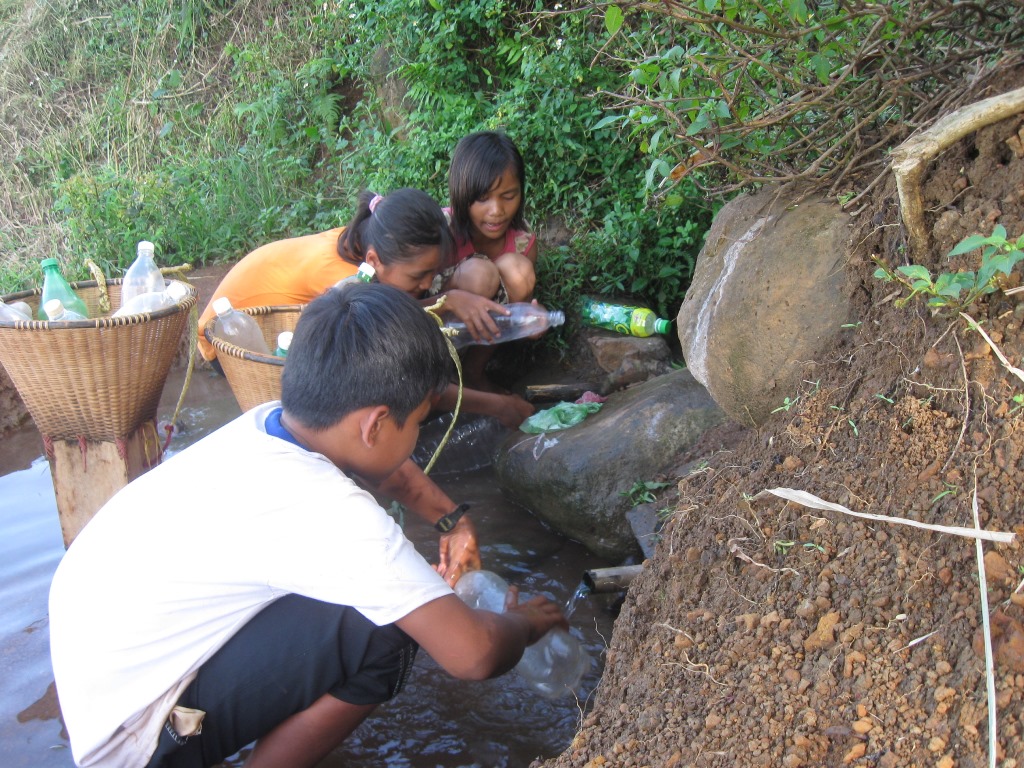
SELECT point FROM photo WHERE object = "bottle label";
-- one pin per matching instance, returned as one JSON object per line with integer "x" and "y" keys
{"x": 614, "y": 317}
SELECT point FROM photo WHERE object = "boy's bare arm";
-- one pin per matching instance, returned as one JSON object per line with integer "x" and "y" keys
{"x": 475, "y": 645}
{"x": 458, "y": 549}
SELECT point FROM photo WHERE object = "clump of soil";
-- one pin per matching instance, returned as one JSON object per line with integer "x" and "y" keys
{"x": 767, "y": 633}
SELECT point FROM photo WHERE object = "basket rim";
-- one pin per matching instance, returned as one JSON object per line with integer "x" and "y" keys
{"x": 186, "y": 303}
{"x": 235, "y": 351}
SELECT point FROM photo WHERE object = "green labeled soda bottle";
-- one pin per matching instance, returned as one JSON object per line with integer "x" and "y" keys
{"x": 622, "y": 318}
{"x": 56, "y": 287}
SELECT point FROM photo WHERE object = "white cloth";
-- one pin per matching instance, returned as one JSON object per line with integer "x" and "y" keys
{"x": 176, "y": 562}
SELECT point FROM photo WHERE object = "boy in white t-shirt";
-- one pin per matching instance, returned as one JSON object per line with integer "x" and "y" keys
{"x": 248, "y": 589}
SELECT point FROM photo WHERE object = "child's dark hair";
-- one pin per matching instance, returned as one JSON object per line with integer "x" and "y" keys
{"x": 397, "y": 226}
{"x": 364, "y": 346}
{"x": 477, "y": 162}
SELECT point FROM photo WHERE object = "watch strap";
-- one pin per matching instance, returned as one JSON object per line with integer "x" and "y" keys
{"x": 448, "y": 522}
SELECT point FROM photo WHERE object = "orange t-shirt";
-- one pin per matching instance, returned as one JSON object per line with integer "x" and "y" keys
{"x": 286, "y": 272}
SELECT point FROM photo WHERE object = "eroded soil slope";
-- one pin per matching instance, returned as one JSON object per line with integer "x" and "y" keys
{"x": 765, "y": 633}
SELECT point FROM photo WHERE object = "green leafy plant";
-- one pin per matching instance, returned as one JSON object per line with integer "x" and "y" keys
{"x": 642, "y": 491}
{"x": 787, "y": 403}
{"x": 954, "y": 291}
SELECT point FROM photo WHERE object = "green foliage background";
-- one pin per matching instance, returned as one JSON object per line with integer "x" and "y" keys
{"x": 213, "y": 126}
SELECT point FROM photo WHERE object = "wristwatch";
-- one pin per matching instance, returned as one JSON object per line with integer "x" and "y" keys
{"x": 448, "y": 522}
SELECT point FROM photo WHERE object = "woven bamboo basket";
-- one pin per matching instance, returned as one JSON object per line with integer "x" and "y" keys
{"x": 99, "y": 378}
{"x": 254, "y": 378}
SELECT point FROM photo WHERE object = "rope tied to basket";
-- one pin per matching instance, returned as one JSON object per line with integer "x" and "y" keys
{"x": 432, "y": 310}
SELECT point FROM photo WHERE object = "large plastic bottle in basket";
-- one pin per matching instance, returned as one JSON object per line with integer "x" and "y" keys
{"x": 524, "y": 319}
{"x": 55, "y": 310}
{"x": 143, "y": 276}
{"x": 555, "y": 664}
{"x": 238, "y": 328}
{"x": 10, "y": 312}
{"x": 56, "y": 287}
{"x": 154, "y": 300}
{"x": 364, "y": 274}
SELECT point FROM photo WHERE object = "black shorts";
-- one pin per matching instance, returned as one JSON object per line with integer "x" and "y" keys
{"x": 289, "y": 655}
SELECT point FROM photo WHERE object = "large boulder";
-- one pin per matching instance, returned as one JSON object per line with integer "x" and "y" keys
{"x": 769, "y": 293}
{"x": 577, "y": 480}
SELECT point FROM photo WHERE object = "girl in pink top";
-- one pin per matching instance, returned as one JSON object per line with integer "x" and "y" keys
{"x": 495, "y": 253}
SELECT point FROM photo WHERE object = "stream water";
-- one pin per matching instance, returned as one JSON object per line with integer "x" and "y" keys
{"x": 436, "y": 722}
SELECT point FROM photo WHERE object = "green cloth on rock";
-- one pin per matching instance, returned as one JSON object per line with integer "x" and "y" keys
{"x": 560, "y": 416}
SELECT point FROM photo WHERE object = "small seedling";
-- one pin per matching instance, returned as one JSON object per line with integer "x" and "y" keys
{"x": 955, "y": 291}
{"x": 814, "y": 545}
{"x": 787, "y": 404}
{"x": 951, "y": 490}
{"x": 853, "y": 426}
{"x": 889, "y": 400}
{"x": 852, "y": 326}
{"x": 782, "y": 547}
{"x": 1019, "y": 400}
{"x": 642, "y": 491}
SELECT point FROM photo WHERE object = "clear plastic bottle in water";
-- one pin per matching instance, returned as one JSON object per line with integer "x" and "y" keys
{"x": 364, "y": 274}
{"x": 238, "y": 328}
{"x": 622, "y": 318}
{"x": 555, "y": 664}
{"x": 154, "y": 300}
{"x": 143, "y": 276}
{"x": 55, "y": 310}
{"x": 523, "y": 320}
{"x": 13, "y": 312}
{"x": 284, "y": 341}
{"x": 56, "y": 287}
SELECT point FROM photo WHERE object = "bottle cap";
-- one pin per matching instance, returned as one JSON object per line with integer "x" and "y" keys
{"x": 48, "y": 262}
{"x": 177, "y": 291}
{"x": 661, "y": 325}
{"x": 556, "y": 317}
{"x": 284, "y": 340}
{"x": 54, "y": 308}
{"x": 222, "y": 305}
{"x": 145, "y": 245}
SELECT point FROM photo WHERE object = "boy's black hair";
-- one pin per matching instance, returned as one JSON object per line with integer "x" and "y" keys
{"x": 400, "y": 226}
{"x": 364, "y": 346}
{"x": 477, "y": 162}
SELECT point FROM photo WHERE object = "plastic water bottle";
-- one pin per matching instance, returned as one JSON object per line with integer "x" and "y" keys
{"x": 482, "y": 590}
{"x": 55, "y": 310}
{"x": 622, "y": 318}
{"x": 524, "y": 320}
{"x": 56, "y": 287}
{"x": 364, "y": 274}
{"x": 555, "y": 664}
{"x": 284, "y": 340}
{"x": 23, "y": 307}
{"x": 143, "y": 276}
{"x": 238, "y": 328}
{"x": 153, "y": 300}
{"x": 12, "y": 312}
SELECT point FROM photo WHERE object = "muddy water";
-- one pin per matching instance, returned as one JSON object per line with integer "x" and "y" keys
{"x": 436, "y": 722}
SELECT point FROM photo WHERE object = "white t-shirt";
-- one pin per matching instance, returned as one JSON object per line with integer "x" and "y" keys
{"x": 176, "y": 562}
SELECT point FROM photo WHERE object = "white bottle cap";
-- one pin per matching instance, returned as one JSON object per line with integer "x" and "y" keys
{"x": 222, "y": 305}
{"x": 177, "y": 291}
{"x": 145, "y": 245}
{"x": 54, "y": 309}
{"x": 284, "y": 340}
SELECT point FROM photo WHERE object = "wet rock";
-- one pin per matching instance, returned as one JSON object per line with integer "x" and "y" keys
{"x": 577, "y": 480}
{"x": 626, "y": 360}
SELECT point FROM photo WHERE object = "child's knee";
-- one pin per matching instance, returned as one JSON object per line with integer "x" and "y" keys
{"x": 518, "y": 275}
{"x": 478, "y": 276}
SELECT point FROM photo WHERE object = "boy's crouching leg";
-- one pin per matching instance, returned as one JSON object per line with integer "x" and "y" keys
{"x": 299, "y": 677}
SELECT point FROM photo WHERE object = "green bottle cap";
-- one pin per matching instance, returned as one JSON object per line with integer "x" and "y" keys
{"x": 661, "y": 325}
{"x": 48, "y": 263}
